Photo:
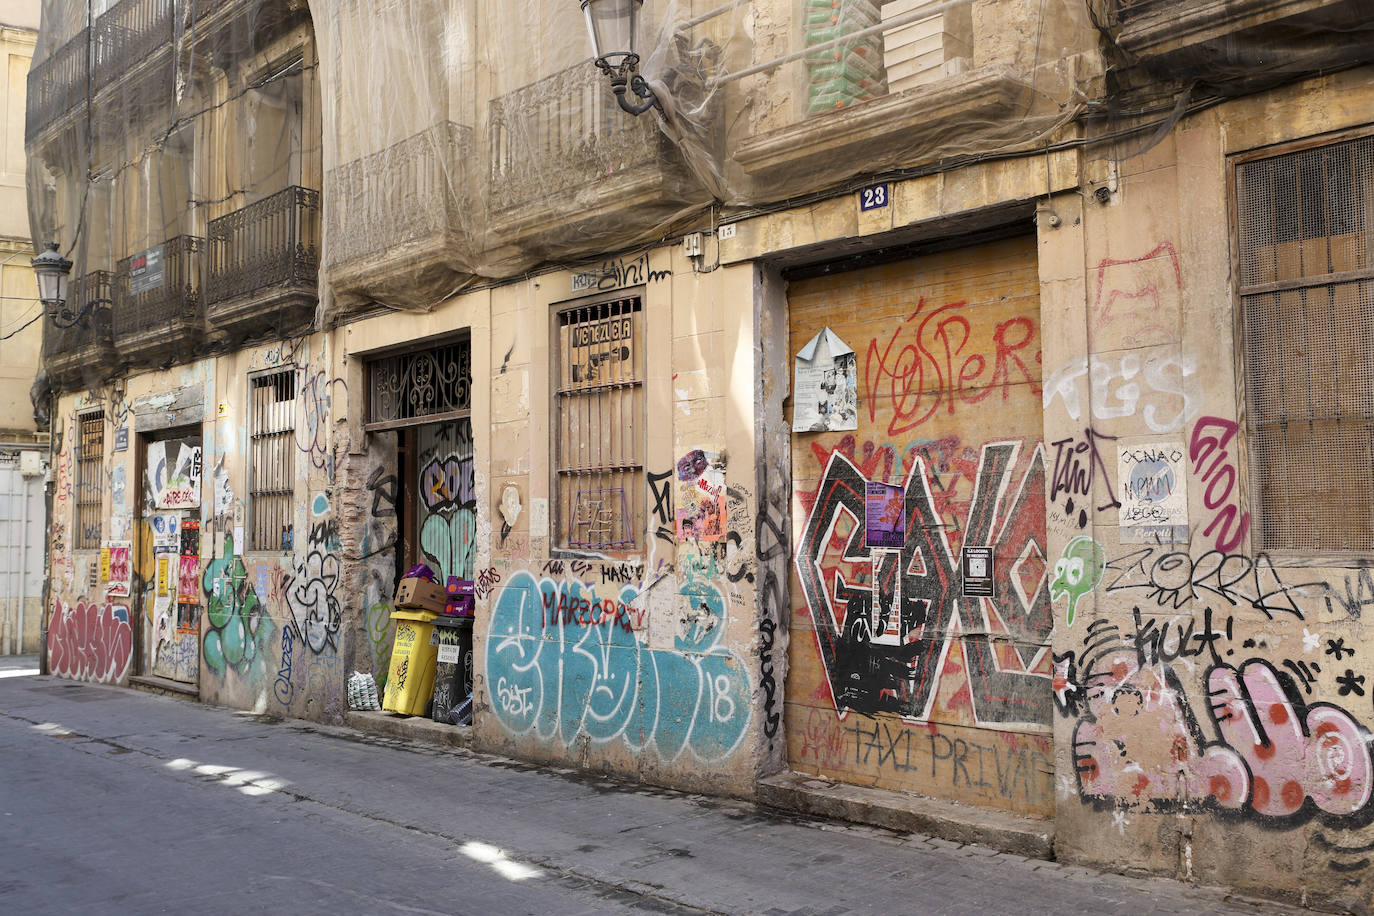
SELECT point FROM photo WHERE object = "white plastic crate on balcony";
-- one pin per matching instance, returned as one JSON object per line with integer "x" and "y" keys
{"x": 924, "y": 50}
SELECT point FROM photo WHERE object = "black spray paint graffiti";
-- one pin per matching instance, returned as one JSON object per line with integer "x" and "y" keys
{"x": 883, "y": 644}
{"x": 1357, "y": 597}
{"x": 1078, "y": 467}
{"x": 1173, "y": 578}
{"x": 771, "y": 546}
{"x": 310, "y": 596}
{"x": 663, "y": 504}
{"x": 380, "y": 534}
{"x": 618, "y": 273}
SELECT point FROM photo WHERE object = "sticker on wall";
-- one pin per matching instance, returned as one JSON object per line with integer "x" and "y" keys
{"x": 884, "y": 515}
{"x": 1154, "y": 494}
{"x": 224, "y": 494}
{"x": 701, "y": 497}
{"x": 977, "y": 568}
{"x": 825, "y": 389}
{"x": 105, "y": 564}
{"x": 164, "y": 573}
{"x": 539, "y": 517}
{"x": 121, "y": 439}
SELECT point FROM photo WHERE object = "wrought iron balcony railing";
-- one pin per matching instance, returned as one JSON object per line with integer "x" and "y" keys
{"x": 57, "y": 84}
{"x": 271, "y": 243}
{"x": 408, "y": 192}
{"x": 560, "y": 133}
{"x": 129, "y": 32}
{"x": 169, "y": 312}
{"x": 93, "y": 331}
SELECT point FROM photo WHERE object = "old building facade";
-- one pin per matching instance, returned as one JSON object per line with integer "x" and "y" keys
{"x": 932, "y": 403}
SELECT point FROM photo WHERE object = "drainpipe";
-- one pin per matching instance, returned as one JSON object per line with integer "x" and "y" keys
{"x": 49, "y": 483}
{"x": 17, "y": 641}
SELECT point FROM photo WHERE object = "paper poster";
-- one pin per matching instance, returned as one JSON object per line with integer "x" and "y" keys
{"x": 825, "y": 387}
{"x": 179, "y": 487}
{"x": 104, "y": 564}
{"x": 1153, "y": 478}
{"x": 119, "y": 569}
{"x": 188, "y": 579}
{"x": 164, "y": 573}
{"x": 701, "y": 497}
{"x": 884, "y": 515}
{"x": 190, "y": 536}
{"x": 188, "y": 618}
{"x": 977, "y": 569}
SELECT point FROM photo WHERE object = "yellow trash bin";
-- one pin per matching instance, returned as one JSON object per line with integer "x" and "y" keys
{"x": 410, "y": 684}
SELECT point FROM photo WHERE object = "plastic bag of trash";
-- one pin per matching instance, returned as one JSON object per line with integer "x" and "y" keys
{"x": 362, "y": 691}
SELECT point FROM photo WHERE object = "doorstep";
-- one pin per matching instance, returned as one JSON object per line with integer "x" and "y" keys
{"x": 965, "y": 824}
{"x": 164, "y": 685}
{"x": 414, "y": 728}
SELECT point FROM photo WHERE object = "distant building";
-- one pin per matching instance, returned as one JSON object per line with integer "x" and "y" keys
{"x": 961, "y": 408}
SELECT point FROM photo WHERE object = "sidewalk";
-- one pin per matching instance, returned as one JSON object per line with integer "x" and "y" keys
{"x": 655, "y": 848}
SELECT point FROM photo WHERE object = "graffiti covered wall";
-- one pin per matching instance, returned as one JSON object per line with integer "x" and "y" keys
{"x": 920, "y": 618}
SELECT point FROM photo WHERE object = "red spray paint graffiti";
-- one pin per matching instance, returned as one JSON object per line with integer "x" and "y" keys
{"x": 91, "y": 642}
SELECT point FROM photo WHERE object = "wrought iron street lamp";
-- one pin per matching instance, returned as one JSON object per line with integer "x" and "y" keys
{"x": 614, "y": 29}
{"x": 53, "y": 273}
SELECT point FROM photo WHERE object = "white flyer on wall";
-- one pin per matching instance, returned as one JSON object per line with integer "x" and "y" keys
{"x": 1154, "y": 493}
{"x": 825, "y": 387}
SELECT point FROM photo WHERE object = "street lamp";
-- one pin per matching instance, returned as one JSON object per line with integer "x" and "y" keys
{"x": 614, "y": 27}
{"x": 53, "y": 273}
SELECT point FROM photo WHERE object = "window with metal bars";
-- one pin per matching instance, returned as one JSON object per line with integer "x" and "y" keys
{"x": 90, "y": 478}
{"x": 1307, "y": 297}
{"x": 272, "y": 460}
{"x": 599, "y": 406}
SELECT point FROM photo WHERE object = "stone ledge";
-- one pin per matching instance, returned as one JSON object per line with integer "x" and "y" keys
{"x": 164, "y": 686}
{"x": 411, "y": 728}
{"x": 963, "y": 824}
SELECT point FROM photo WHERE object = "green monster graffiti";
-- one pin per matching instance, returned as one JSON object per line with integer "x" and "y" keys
{"x": 239, "y": 629}
{"x": 1077, "y": 572}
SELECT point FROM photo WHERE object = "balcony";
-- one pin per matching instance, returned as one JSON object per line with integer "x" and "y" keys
{"x": 84, "y": 354}
{"x": 264, "y": 264}
{"x": 398, "y": 215}
{"x": 1234, "y": 39}
{"x": 164, "y": 319}
{"x": 128, "y": 34}
{"x": 566, "y": 162}
{"x": 57, "y": 85}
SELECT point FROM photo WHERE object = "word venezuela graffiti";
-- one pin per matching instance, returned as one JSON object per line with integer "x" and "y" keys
{"x": 563, "y": 663}
{"x": 885, "y": 618}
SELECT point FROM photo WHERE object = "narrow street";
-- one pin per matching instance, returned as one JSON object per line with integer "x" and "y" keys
{"x": 117, "y": 801}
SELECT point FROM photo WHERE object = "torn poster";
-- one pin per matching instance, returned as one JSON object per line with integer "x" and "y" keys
{"x": 825, "y": 388}
{"x": 701, "y": 496}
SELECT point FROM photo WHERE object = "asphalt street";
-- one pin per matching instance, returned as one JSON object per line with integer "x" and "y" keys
{"x": 118, "y": 801}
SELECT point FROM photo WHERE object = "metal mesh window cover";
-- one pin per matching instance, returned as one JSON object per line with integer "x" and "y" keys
{"x": 90, "y": 479}
{"x": 272, "y": 460}
{"x": 422, "y": 386}
{"x": 600, "y": 415}
{"x": 1307, "y": 290}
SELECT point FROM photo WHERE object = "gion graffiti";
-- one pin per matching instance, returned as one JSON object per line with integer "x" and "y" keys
{"x": 931, "y": 364}
{"x": 1219, "y": 479}
{"x": 885, "y": 618}
{"x": 1269, "y": 754}
{"x": 90, "y": 642}
{"x": 561, "y": 680}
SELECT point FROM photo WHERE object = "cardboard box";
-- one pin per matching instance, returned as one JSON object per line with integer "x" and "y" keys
{"x": 422, "y": 594}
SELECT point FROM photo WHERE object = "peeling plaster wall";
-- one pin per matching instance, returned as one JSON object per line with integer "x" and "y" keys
{"x": 1213, "y": 703}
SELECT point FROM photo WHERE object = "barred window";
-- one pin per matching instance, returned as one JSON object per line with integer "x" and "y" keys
{"x": 1307, "y": 294}
{"x": 600, "y": 416}
{"x": 90, "y": 478}
{"x": 272, "y": 460}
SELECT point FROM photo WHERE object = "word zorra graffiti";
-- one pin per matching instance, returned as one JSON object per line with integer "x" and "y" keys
{"x": 886, "y": 618}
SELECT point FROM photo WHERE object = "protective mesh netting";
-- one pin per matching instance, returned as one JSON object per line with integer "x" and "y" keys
{"x": 406, "y": 149}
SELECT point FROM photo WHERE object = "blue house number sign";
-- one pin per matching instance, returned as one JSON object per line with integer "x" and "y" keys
{"x": 873, "y": 197}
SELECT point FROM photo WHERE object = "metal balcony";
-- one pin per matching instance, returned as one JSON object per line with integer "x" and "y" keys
{"x": 57, "y": 84}
{"x": 129, "y": 33}
{"x": 83, "y": 354}
{"x": 166, "y": 319}
{"x": 564, "y": 155}
{"x": 264, "y": 263}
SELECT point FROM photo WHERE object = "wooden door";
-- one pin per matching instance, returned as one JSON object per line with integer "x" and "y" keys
{"x": 901, "y": 675}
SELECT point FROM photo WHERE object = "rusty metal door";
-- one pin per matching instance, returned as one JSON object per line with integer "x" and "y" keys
{"x": 919, "y": 658}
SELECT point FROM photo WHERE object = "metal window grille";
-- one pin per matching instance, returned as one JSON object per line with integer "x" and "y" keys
{"x": 90, "y": 479}
{"x": 1307, "y": 291}
{"x": 600, "y": 417}
{"x": 422, "y": 386}
{"x": 272, "y": 463}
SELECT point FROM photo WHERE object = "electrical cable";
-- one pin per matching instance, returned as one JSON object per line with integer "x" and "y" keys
{"x": 20, "y": 330}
